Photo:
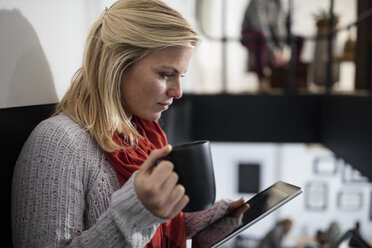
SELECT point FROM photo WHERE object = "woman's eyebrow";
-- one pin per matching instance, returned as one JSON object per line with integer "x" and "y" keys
{"x": 173, "y": 69}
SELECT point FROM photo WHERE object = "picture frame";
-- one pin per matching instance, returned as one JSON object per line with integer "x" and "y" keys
{"x": 316, "y": 195}
{"x": 325, "y": 165}
{"x": 350, "y": 200}
{"x": 351, "y": 175}
{"x": 249, "y": 177}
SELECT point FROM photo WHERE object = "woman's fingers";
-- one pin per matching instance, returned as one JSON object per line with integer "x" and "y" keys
{"x": 174, "y": 202}
{"x": 153, "y": 157}
{"x": 161, "y": 172}
{"x": 180, "y": 203}
{"x": 237, "y": 208}
{"x": 241, "y": 210}
{"x": 169, "y": 184}
{"x": 235, "y": 204}
{"x": 157, "y": 188}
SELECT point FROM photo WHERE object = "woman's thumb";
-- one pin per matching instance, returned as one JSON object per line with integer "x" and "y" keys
{"x": 155, "y": 155}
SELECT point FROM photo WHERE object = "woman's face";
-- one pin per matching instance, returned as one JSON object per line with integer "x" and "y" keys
{"x": 150, "y": 85}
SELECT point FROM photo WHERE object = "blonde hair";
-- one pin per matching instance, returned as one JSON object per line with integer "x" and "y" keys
{"x": 125, "y": 33}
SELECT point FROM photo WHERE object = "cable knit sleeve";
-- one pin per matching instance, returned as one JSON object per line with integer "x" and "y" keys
{"x": 197, "y": 221}
{"x": 207, "y": 226}
{"x": 64, "y": 195}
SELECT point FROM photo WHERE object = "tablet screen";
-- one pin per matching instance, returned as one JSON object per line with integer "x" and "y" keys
{"x": 261, "y": 205}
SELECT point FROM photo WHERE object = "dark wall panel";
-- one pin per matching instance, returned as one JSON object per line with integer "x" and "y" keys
{"x": 347, "y": 130}
{"x": 254, "y": 118}
{"x": 15, "y": 126}
{"x": 342, "y": 123}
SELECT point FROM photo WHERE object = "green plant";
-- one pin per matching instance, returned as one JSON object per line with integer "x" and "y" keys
{"x": 322, "y": 14}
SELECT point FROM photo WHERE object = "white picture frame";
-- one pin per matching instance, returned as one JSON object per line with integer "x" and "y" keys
{"x": 350, "y": 200}
{"x": 325, "y": 165}
{"x": 316, "y": 196}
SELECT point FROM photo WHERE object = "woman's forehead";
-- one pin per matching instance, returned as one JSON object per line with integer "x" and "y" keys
{"x": 175, "y": 58}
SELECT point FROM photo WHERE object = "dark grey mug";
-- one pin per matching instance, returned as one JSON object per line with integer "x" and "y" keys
{"x": 194, "y": 166}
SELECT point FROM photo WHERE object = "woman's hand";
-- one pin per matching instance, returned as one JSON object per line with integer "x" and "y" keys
{"x": 220, "y": 228}
{"x": 157, "y": 188}
{"x": 239, "y": 205}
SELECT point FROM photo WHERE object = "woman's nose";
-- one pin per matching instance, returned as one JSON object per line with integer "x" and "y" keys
{"x": 174, "y": 89}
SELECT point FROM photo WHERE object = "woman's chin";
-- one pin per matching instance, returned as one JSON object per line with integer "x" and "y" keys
{"x": 152, "y": 117}
{"x": 157, "y": 117}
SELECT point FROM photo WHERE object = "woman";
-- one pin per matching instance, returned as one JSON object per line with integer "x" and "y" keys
{"x": 86, "y": 176}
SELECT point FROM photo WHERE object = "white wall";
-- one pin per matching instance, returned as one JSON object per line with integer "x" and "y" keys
{"x": 226, "y": 158}
{"x": 292, "y": 163}
{"x": 296, "y": 164}
{"x": 41, "y": 48}
{"x": 42, "y": 45}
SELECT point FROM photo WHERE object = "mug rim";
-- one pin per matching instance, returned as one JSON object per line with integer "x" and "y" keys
{"x": 189, "y": 144}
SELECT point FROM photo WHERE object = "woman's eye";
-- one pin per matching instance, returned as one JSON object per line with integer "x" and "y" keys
{"x": 166, "y": 75}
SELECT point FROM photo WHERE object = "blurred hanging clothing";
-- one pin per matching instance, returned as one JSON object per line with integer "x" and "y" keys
{"x": 263, "y": 33}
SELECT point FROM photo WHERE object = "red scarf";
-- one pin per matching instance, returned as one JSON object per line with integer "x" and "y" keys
{"x": 171, "y": 234}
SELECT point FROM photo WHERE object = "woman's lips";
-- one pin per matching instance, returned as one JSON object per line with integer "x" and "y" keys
{"x": 165, "y": 105}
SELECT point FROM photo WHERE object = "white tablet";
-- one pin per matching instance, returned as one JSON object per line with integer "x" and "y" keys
{"x": 261, "y": 205}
